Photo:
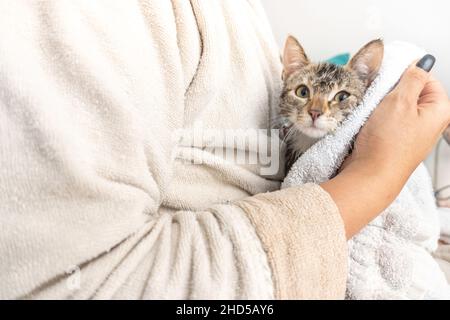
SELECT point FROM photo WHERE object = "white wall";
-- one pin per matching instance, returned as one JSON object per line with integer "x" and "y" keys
{"x": 327, "y": 27}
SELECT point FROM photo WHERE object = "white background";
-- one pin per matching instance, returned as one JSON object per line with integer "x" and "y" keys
{"x": 326, "y": 28}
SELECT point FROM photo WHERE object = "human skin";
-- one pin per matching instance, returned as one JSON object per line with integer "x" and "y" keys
{"x": 395, "y": 140}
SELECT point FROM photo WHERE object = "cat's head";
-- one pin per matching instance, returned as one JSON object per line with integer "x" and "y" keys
{"x": 317, "y": 97}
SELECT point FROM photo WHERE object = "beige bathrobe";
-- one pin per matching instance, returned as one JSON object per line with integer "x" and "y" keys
{"x": 97, "y": 201}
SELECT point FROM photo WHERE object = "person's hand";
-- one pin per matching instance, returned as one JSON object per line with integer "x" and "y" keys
{"x": 396, "y": 138}
{"x": 405, "y": 126}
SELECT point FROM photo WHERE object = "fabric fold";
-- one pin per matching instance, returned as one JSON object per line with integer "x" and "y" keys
{"x": 300, "y": 228}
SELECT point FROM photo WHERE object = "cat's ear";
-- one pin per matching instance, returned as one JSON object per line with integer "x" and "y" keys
{"x": 366, "y": 63}
{"x": 294, "y": 57}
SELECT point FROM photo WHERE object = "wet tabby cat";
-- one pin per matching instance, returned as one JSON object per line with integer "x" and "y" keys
{"x": 317, "y": 97}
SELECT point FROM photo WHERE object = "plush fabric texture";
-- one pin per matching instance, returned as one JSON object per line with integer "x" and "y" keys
{"x": 319, "y": 216}
{"x": 96, "y": 198}
{"x": 391, "y": 257}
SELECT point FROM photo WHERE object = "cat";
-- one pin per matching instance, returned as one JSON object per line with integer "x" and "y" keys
{"x": 317, "y": 97}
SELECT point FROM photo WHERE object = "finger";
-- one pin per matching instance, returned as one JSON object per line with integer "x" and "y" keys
{"x": 415, "y": 77}
{"x": 426, "y": 63}
{"x": 437, "y": 113}
{"x": 435, "y": 85}
{"x": 433, "y": 92}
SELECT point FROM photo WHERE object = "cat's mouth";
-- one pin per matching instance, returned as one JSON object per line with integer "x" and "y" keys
{"x": 314, "y": 129}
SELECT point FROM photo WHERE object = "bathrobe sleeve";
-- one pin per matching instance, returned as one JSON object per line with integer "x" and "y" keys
{"x": 302, "y": 232}
{"x": 97, "y": 201}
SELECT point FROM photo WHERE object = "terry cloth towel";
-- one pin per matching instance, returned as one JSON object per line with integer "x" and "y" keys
{"x": 390, "y": 258}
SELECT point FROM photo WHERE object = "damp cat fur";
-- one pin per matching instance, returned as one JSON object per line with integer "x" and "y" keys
{"x": 317, "y": 97}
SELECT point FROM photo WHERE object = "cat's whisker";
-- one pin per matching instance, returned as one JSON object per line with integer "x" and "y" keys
{"x": 279, "y": 120}
{"x": 290, "y": 132}
{"x": 323, "y": 91}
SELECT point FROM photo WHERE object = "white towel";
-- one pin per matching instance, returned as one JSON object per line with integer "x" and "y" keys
{"x": 391, "y": 257}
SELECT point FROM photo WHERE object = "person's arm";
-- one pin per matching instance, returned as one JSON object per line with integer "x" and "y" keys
{"x": 90, "y": 94}
{"x": 303, "y": 235}
{"x": 397, "y": 137}
{"x": 91, "y": 202}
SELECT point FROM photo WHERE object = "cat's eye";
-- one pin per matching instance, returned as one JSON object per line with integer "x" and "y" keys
{"x": 341, "y": 96}
{"x": 302, "y": 92}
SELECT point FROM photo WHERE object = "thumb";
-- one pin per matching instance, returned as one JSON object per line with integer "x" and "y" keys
{"x": 415, "y": 77}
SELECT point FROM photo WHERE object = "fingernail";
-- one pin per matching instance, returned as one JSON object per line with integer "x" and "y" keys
{"x": 427, "y": 62}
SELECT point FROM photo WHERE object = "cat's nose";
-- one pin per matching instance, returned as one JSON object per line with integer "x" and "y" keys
{"x": 314, "y": 114}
